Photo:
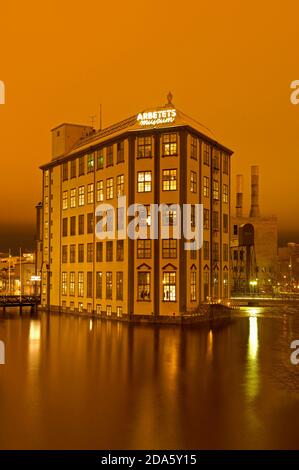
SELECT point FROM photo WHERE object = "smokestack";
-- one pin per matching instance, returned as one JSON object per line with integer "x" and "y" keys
{"x": 254, "y": 210}
{"x": 239, "y": 196}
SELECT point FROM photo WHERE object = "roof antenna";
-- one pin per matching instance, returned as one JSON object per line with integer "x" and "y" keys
{"x": 169, "y": 99}
{"x": 92, "y": 119}
{"x": 100, "y": 117}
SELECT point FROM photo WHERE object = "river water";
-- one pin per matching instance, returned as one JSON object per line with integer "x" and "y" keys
{"x": 72, "y": 382}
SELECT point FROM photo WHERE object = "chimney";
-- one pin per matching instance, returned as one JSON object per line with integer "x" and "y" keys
{"x": 254, "y": 210}
{"x": 239, "y": 196}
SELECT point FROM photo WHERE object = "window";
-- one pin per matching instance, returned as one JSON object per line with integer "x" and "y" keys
{"x": 193, "y": 182}
{"x": 206, "y": 154}
{"x": 64, "y": 283}
{"x": 144, "y": 249}
{"x": 81, "y": 166}
{"x": 215, "y": 253}
{"x": 99, "y": 252}
{"x": 109, "y": 188}
{"x": 81, "y": 224}
{"x": 193, "y": 254}
{"x": 100, "y": 159}
{"x": 169, "y": 180}
{"x": 80, "y": 284}
{"x": 192, "y": 215}
{"x": 225, "y": 284}
{"x": 206, "y": 218}
{"x": 89, "y": 289}
{"x": 73, "y": 197}
{"x": 144, "y": 287}
{"x": 169, "y": 144}
{"x": 64, "y": 254}
{"x": 169, "y": 248}
{"x": 81, "y": 198}
{"x": 225, "y": 223}
{"x": 215, "y": 221}
{"x": 225, "y": 252}
{"x": 72, "y": 283}
{"x": 109, "y": 285}
{"x": 235, "y": 255}
{"x": 120, "y": 218}
{"x": 99, "y": 284}
{"x": 206, "y": 284}
{"x": 90, "y": 193}
{"x": 215, "y": 190}
{"x": 235, "y": 229}
{"x": 73, "y": 168}
{"x": 119, "y": 250}
{"x": 46, "y": 178}
{"x": 64, "y": 199}
{"x": 81, "y": 253}
{"x": 225, "y": 163}
{"x": 206, "y": 250}
{"x": 64, "y": 227}
{"x": 90, "y": 224}
{"x": 73, "y": 225}
{"x": 109, "y": 155}
{"x": 99, "y": 309}
{"x": 144, "y": 181}
{"x": 147, "y": 219}
{"x": 100, "y": 191}
{"x": 119, "y": 311}
{"x": 90, "y": 162}
{"x": 169, "y": 286}
{"x": 108, "y": 310}
{"x": 65, "y": 168}
{"x": 144, "y": 147}
{"x": 109, "y": 251}
{"x": 120, "y": 152}
{"x": 72, "y": 253}
{"x": 169, "y": 216}
{"x": 225, "y": 193}
{"x": 120, "y": 190}
{"x": 193, "y": 286}
{"x": 119, "y": 285}
{"x": 194, "y": 143}
{"x": 216, "y": 160}
{"x": 89, "y": 252}
{"x": 206, "y": 186}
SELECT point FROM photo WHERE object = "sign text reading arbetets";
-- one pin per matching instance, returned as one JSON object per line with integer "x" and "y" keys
{"x": 152, "y": 118}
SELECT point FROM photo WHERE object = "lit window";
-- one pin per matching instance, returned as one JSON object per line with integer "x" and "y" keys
{"x": 119, "y": 285}
{"x": 100, "y": 159}
{"x": 144, "y": 249}
{"x": 169, "y": 248}
{"x": 64, "y": 199}
{"x": 73, "y": 197}
{"x": 100, "y": 191}
{"x": 193, "y": 182}
{"x": 80, "y": 284}
{"x": 193, "y": 286}
{"x": 144, "y": 286}
{"x": 90, "y": 193}
{"x": 169, "y": 144}
{"x": 216, "y": 190}
{"x": 64, "y": 283}
{"x": 81, "y": 196}
{"x": 72, "y": 283}
{"x": 90, "y": 162}
{"x": 109, "y": 188}
{"x": 99, "y": 284}
{"x": 120, "y": 185}
{"x": 225, "y": 193}
{"x": 144, "y": 181}
{"x": 206, "y": 186}
{"x": 169, "y": 286}
{"x": 109, "y": 285}
{"x": 169, "y": 180}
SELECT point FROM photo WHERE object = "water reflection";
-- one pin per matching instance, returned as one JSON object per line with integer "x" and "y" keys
{"x": 94, "y": 384}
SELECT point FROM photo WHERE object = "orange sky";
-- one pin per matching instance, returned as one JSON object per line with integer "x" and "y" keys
{"x": 228, "y": 64}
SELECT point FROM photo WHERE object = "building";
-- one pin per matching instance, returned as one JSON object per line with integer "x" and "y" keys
{"x": 158, "y": 156}
{"x": 17, "y": 274}
{"x": 254, "y": 244}
{"x": 288, "y": 258}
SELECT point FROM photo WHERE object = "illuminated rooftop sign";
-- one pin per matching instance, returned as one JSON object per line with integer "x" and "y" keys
{"x": 152, "y": 118}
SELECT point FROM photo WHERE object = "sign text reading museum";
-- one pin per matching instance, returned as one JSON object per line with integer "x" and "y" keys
{"x": 153, "y": 118}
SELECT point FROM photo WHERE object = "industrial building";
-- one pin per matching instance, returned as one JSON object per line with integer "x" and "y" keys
{"x": 156, "y": 156}
{"x": 254, "y": 244}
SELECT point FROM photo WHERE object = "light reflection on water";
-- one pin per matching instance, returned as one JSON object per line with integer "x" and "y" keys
{"x": 73, "y": 382}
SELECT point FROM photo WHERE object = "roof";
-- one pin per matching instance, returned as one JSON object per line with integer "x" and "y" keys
{"x": 132, "y": 124}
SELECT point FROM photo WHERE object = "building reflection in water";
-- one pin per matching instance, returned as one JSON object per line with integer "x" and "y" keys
{"x": 34, "y": 343}
{"x": 210, "y": 346}
{"x": 252, "y": 376}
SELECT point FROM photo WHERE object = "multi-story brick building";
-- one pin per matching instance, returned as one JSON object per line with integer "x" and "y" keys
{"x": 160, "y": 156}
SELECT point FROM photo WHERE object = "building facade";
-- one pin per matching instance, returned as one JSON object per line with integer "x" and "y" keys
{"x": 159, "y": 156}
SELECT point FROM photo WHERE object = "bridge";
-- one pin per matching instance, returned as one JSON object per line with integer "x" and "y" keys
{"x": 18, "y": 301}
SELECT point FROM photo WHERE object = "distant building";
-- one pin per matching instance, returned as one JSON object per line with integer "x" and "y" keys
{"x": 288, "y": 259}
{"x": 160, "y": 156}
{"x": 17, "y": 275}
{"x": 254, "y": 244}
